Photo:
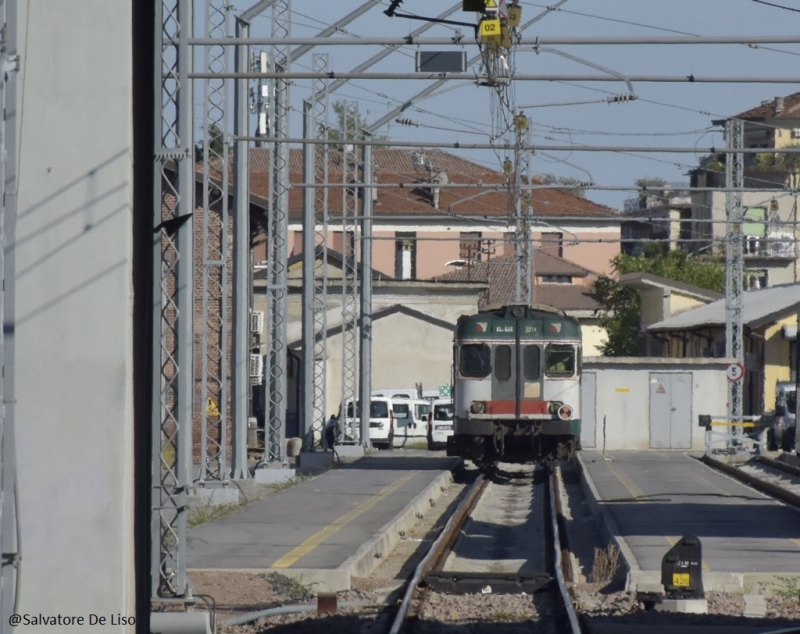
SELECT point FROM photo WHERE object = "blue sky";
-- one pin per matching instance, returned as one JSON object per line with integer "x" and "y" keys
{"x": 664, "y": 115}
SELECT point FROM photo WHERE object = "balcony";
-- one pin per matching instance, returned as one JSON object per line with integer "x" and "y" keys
{"x": 776, "y": 245}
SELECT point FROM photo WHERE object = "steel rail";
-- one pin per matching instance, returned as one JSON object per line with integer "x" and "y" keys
{"x": 439, "y": 548}
{"x": 572, "y": 616}
{"x": 773, "y": 490}
{"x": 777, "y": 464}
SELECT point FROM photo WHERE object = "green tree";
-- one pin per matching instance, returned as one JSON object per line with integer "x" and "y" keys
{"x": 216, "y": 147}
{"x": 705, "y": 272}
{"x": 349, "y": 124}
{"x": 621, "y": 306}
{"x": 620, "y": 318}
{"x": 573, "y": 184}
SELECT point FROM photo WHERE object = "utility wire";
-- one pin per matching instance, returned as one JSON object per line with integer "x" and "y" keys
{"x": 777, "y": 6}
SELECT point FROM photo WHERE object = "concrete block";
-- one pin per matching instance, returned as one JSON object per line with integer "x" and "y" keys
{"x": 273, "y": 476}
{"x": 649, "y": 587}
{"x": 180, "y": 623}
{"x": 685, "y": 606}
{"x": 215, "y": 495}
{"x": 316, "y": 462}
{"x": 755, "y": 606}
{"x": 350, "y": 451}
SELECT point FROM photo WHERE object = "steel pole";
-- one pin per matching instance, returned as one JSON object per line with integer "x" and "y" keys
{"x": 309, "y": 266}
{"x": 9, "y": 523}
{"x": 366, "y": 299}
{"x": 241, "y": 265}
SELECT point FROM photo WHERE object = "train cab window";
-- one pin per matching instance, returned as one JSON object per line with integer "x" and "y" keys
{"x": 531, "y": 363}
{"x": 502, "y": 363}
{"x": 559, "y": 360}
{"x": 475, "y": 360}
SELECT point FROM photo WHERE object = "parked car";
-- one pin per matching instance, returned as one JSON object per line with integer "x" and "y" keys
{"x": 411, "y": 417}
{"x": 381, "y": 423}
{"x": 440, "y": 425}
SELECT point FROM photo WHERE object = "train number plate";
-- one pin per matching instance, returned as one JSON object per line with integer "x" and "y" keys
{"x": 680, "y": 579}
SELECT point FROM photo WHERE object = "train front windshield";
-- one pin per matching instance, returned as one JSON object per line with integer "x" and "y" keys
{"x": 475, "y": 361}
{"x": 559, "y": 360}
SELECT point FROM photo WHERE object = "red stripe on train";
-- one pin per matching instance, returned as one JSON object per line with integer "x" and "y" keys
{"x": 510, "y": 407}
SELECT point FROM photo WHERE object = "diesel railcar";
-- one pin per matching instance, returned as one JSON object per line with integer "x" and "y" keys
{"x": 516, "y": 385}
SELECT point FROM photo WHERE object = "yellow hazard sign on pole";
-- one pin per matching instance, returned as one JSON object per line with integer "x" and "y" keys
{"x": 490, "y": 4}
{"x": 211, "y": 407}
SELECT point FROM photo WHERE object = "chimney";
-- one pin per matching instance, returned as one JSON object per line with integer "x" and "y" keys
{"x": 779, "y": 105}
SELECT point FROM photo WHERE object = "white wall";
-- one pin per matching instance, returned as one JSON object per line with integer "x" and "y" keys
{"x": 623, "y": 397}
{"x": 405, "y": 351}
{"x": 74, "y": 416}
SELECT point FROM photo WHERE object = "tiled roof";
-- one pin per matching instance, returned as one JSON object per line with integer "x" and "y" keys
{"x": 543, "y": 264}
{"x": 791, "y": 109}
{"x": 648, "y": 279}
{"x": 397, "y": 166}
{"x": 501, "y": 277}
{"x": 759, "y": 307}
{"x": 335, "y": 262}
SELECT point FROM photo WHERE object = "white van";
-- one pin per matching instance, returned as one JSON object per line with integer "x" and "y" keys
{"x": 396, "y": 392}
{"x": 381, "y": 423}
{"x": 411, "y": 419}
{"x": 440, "y": 427}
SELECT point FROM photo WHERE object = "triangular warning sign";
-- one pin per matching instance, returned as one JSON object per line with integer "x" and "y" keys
{"x": 211, "y": 407}
{"x": 491, "y": 4}
{"x": 660, "y": 389}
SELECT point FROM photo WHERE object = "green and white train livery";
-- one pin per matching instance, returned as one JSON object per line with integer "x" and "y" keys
{"x": 516, "y": 381}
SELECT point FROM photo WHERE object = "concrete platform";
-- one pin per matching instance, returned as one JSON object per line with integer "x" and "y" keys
{"x": 327, "y": 529}
{"x": 647, "y": 500}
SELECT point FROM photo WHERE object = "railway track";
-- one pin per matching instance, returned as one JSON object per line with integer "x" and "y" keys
{"x": 499, "y": 556}
{"x": 772, "y": 477}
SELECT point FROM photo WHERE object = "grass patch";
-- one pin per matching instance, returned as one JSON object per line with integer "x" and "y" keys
{"x": 782, "y": 588}
{"x": 288, "y": 484}
{"x": 296, "y": 590}
{"x": 606, "y": 564}
{"x": 416, "y": 445}
{"x": 207, "y": 512}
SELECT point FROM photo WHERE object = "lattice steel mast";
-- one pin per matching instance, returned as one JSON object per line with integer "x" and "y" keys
{"x": 350, "y": 303}
{"x": 215, "y": 349}
{"x": 734, "y": 269}
{"x": 315, "y": 278}
{"x": 276, "y": 388}
{"x": 173, "y": 310}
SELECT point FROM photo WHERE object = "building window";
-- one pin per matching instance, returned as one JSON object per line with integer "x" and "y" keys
{"x": 405, "y": 255}
{"x": 470, "y": 245}
{"x": 553, "y": 243}
{"x": 754, "y": 229}
{"x": 556, "y": 279}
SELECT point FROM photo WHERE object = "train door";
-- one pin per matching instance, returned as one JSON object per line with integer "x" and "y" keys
{"x": 504, "y": 385}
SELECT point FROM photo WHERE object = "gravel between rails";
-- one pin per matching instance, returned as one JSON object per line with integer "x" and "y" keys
{"x": 237, "y": 594}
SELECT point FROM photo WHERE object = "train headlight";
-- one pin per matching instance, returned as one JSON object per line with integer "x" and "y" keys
{"x": 477, "y": 407}
{"x": 553, "y": 407}
{"x": 565, "y": 412}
